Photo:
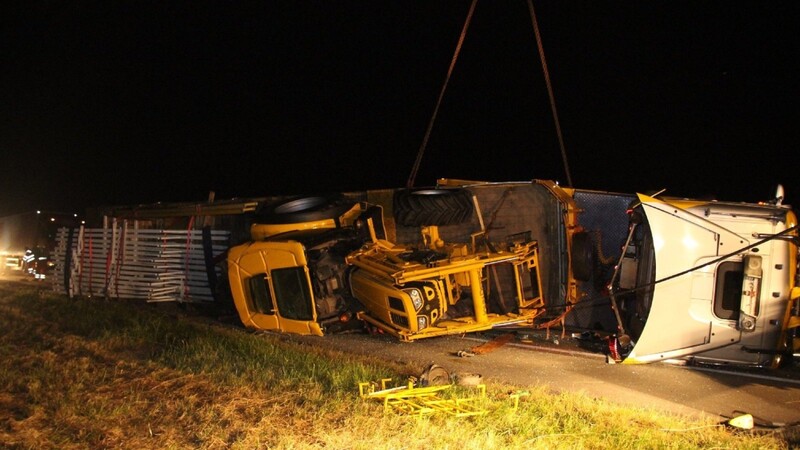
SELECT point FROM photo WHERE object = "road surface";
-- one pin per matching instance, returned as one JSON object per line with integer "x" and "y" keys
{"x": 770, "y": 396}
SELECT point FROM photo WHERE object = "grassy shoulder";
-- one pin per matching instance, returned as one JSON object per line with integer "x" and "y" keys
{"x": 91, "y": 373}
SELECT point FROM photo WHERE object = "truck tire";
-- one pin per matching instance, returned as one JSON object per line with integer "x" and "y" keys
{"x": 582, "y": 256}
{"x": 419, "y": 207}
{"x": 300, "y": 209}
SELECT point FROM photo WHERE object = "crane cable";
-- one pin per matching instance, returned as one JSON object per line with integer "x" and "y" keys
{"x": 413, "y": 175}
{"x": 415, "y": 169}
{"x": 549, "y": 91}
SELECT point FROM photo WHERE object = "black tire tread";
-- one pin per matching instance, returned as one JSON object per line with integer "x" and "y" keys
{"x": 582, "y": 256}
{"x": 420, "y": 207}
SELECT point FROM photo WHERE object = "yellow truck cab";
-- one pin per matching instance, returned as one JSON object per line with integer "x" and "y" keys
{"x": 291, "y": 276}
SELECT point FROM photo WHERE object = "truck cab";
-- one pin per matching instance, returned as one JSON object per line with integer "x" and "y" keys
{"x": 292, "y": 275}
{"x": 295, "y": 284}
{"x": 712, "y": 282}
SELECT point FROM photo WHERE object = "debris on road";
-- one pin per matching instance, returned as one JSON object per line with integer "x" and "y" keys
{"x": 487, "y": 347}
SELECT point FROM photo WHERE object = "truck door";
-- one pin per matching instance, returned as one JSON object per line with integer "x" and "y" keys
{"x": 699, "y": 310}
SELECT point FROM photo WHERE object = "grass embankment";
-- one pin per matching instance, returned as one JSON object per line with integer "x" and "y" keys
{"x": 109, "y": 374}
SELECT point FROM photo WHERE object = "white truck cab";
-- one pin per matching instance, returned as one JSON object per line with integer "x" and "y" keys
{"x": 709, "y": 281}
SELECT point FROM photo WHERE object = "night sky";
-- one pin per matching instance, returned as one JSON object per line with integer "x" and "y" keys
{"x": 127, "y": 102}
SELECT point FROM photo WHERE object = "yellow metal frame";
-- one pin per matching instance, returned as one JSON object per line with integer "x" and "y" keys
{"x": 790, "y": 320}
{"x": 377, "y": 262}
{"x": 261, "y": 231}
{"x": 565, "y": 196}
{"x": 422, "y": 401}
{"x": 379, "y": 259}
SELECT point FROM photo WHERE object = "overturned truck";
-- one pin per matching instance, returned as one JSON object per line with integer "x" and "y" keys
{"x": 710, "y": 281}
{"x": 654, "y": 277}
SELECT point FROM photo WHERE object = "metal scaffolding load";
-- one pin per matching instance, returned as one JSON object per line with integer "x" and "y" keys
{"x": 154, "y": 265}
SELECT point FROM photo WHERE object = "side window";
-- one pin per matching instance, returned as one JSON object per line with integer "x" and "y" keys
{"x": 728, "y": 292}
{"x": 260, "y": 298}
{"x": 292, "y": 293}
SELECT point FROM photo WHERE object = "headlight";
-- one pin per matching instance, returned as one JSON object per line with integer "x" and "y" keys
{"x": 416, "y": 298}
{"x": 422, "y": 322}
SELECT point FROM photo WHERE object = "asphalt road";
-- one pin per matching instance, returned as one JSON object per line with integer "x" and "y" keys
{"x": 772, "y": 397}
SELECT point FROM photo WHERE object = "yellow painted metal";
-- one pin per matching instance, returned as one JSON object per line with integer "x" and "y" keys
{"x": 431, "y": 238}
{"x": 566, "y": 197}
{"x": 381, "y": 272}
{"x": 261, "y": 231}
{"x": 382, "y": 281}
{"x": 374, "y": 294}
{"x": 422, "y": 401}
{"x": 529, "y": 263}
{"x": 571, "y": 211}
{"x": 478, "y": 300}
{"x": 456, "y": 182}
{"x": 456, "y": 326}
{"x": 258, "y": 259}
{"x": 790, "y": 319}
{"x": 409, "y": 390}
{"x": 516, "y": 396}
{"x": 462, "y": 269}
{"x": 373, "y": 260}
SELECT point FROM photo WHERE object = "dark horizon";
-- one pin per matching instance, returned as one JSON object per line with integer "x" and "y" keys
{"x": 135, "y": 103}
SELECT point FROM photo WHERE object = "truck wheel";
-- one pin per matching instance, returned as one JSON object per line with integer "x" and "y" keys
{"x": 304, "y": 209}
{"x": 418, "y": 207}
{"x": 582, "y": 260}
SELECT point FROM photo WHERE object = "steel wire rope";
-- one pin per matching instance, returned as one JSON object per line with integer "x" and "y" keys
{"x": 412, "y": 177}
{"x": 550, "y": 91}
{"x": 591, "y": 302}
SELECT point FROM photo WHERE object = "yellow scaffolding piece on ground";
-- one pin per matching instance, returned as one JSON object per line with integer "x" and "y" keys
{"x": 422, "y": 401}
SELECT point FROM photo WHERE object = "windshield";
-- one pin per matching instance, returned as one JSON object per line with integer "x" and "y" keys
{"x": 292, "y": 293}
